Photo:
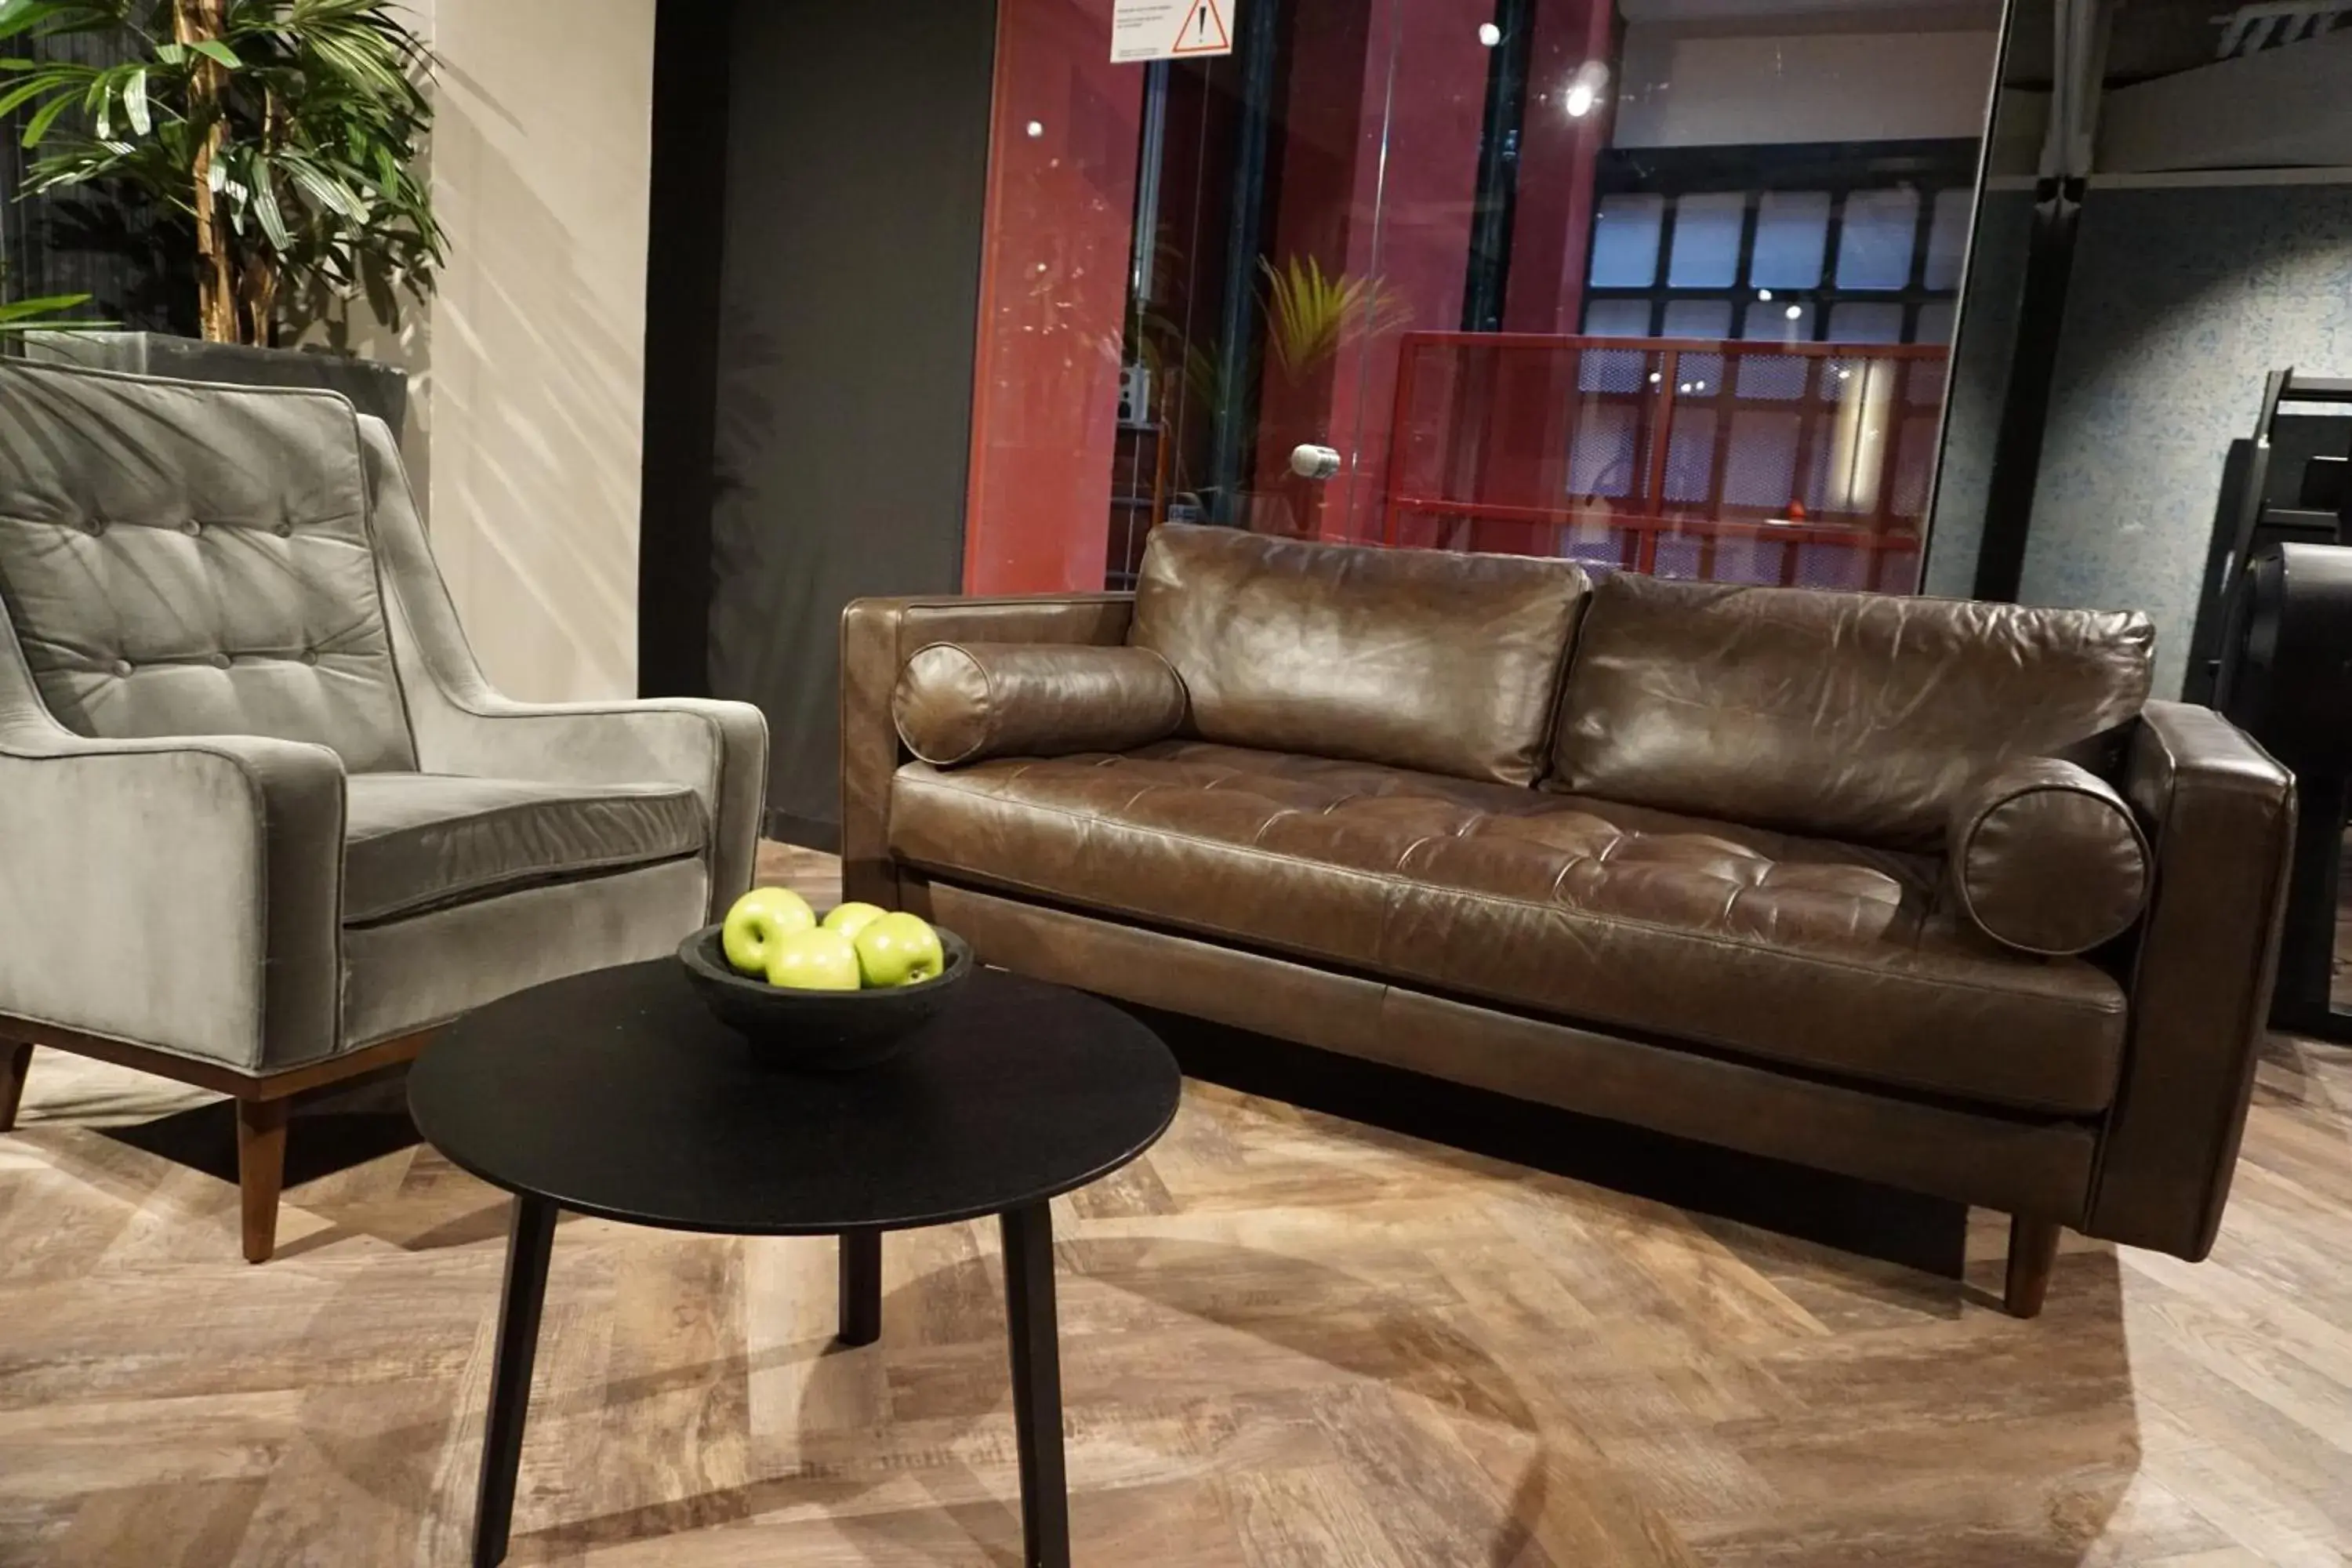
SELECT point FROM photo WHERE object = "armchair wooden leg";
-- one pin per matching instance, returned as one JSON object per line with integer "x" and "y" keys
{"x": 2033, "y": 1253}
{"x": 260, "y": 1171}
{"x": 15, "y": 1060}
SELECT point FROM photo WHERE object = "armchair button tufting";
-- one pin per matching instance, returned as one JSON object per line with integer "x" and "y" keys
{"x": 220, "y": 661}
{"x": 284, "y": 530}
{"x": 191, "y": 527}
{"x": 309, "y": 655}
{"x": 120, "y": 666}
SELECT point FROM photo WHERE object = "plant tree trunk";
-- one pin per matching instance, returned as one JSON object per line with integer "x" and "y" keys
{"x": 260, "y": 298}
{"x": 196, "y": 21}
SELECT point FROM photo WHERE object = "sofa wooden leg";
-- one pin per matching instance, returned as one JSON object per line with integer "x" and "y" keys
{"x": 260, "y": 1172}
{"x": 15, "y": 1060}
{"x": 2033, "y": 1253}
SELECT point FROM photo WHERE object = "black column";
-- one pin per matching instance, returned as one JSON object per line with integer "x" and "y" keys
{"x": 821, "y": 181}
{"x": 682, "y": 271}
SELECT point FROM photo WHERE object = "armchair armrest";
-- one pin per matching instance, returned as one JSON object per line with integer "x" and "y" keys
{"x": 2219, "y": 815}
{"x": 184, "y": 893}
{"x": 464, "y": 725}
{"x": 719, "y": 749}
{"x": 878, "y": 637}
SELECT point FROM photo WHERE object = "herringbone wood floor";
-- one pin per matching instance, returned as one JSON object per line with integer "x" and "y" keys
{"x": 1286, "y": 1339}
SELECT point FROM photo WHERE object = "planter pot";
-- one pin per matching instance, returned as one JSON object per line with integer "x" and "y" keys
{"x": 373, "y": 388}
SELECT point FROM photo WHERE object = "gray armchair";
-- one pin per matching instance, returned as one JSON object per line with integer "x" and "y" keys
{"x": 263, "y": 823}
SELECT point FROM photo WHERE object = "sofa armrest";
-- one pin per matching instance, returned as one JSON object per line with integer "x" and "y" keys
{"x": 2219, "y": 814}
{"x": 878, "y": 637}
{"x": 184, "y": 894}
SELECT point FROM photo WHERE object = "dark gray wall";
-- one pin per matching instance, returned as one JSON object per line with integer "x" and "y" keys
{"x": 856, "y": 161}
{"x": 2183, "y": 300}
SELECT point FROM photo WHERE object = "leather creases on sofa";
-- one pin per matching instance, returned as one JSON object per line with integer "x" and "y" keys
{"x": 1675, "y": 854}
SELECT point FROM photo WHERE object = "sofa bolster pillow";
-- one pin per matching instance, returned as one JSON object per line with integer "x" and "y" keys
{"x": 2046, "y": 858}
{"x": 961, "y": 702}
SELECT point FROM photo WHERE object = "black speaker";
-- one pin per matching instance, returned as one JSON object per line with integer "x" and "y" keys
{"x": 2287, "y": 680}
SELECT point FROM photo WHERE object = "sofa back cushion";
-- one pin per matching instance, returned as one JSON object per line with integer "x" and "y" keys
{"x": 1417, "y": 658}
{"x": 185, "y": 559}
{"x": 1853, "y": 716}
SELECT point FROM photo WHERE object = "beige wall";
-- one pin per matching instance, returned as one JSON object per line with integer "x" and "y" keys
{"x": 532, "y": 358}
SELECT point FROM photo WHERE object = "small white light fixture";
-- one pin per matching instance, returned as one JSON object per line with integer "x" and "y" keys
{"x": 1698, "y": 387}
{"x": 1584, "y": 89}
{"x": 1489, "y": 34}
{"x": 1655, "y": 378}
{"x": 1795, "y": 313}
{"x": 1036, "y": 129}
{"x": 1765, "y": 295}
{"x": 1845, "y": 376}
{"x": 1684, "y": 387}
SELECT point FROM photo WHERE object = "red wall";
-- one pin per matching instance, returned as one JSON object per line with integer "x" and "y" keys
{"x": 1053, "y": 299}
{"x": 1379, "y": 167}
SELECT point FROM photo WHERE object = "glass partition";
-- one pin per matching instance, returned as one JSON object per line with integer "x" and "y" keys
{"x": 1658, "y": 284}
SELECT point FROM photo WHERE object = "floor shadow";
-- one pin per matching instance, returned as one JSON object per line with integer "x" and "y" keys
{"x": 2062, "y": 1387}
{"x": 1289, "y": 1301}
{"x": 1772, "y": 1195}
{"x": 1843, "y": 1212}
{"x": 330, "y": 1130}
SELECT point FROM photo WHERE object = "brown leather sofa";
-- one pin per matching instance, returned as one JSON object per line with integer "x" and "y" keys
{"x": 1923, "y": 891}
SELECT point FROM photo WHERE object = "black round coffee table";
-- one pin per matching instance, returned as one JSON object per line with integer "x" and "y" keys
{"x": 617, "y": 1094}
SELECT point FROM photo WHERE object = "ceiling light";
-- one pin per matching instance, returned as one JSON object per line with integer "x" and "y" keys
{"x": 1585, "y": 87}
{"x": 1765, "y": 295}
{"x": 1795, "y": 313}
{"x": 1489, "y": 34}
{"x": 1036, "y": 127}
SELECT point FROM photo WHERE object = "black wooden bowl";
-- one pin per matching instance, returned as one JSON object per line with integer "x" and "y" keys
{"x": 824, "y": 1031}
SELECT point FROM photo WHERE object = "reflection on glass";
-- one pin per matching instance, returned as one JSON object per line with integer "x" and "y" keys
{"x": 1948, "y": 240}
{"x": 1406, "y": 242}
{"x": 1875, "y": 242}
{"x": 1792, "y": 231}
{"x": 1707, "y": 241}
{"x": 1625, "y": 231}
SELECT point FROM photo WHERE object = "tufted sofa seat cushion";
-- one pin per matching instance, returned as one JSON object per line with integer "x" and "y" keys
{"x": 1845, "y": 960}
{"x": 182, "y": 559}
{"x": 414, "y": 842}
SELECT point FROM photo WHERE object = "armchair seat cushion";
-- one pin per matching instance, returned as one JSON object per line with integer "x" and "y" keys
{"x": 1820, "y": 956}
{"x": 414, "y": 842}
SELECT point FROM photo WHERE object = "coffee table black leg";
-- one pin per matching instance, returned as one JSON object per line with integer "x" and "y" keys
{"x": 861, "y": 1288}
{"x": 530, "y": 1238}
{"x": 1036, "y": 1384}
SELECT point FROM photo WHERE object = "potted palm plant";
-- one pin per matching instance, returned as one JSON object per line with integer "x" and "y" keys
{"x": 281, "y": 134}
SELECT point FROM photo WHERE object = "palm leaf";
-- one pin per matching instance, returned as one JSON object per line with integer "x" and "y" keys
{"x": 311, "y": 111}
{"x": 1311, "y": 315}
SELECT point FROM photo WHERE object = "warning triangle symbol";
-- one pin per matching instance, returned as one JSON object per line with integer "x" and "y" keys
{"x": 1203, "y": 32}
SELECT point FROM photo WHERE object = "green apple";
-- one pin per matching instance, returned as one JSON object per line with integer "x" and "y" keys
{"x": 851, "y": 918}
{"x": 900, "y": 950}
{"x": 813, "y": 960}
{"x": 757, "y": 921}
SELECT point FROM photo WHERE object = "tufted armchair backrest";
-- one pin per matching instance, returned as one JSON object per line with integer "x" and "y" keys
{"x": 181, "y": 559}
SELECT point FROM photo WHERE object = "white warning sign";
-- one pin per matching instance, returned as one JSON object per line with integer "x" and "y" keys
{"x": 1170, "y": 29}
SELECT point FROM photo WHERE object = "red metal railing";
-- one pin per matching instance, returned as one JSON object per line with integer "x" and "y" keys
{"x": 1732, "y": 461}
